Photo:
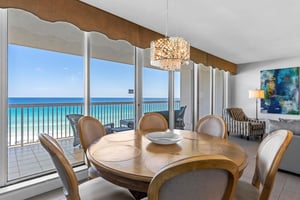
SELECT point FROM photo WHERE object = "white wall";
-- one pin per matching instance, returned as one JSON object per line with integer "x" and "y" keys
{"x": 247, "y": 78}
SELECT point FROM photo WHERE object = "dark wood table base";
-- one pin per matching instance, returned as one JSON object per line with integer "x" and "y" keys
{"x": 138, "y": 195}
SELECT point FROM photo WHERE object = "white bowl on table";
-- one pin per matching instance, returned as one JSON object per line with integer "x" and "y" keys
{"x": 163, "y": 137}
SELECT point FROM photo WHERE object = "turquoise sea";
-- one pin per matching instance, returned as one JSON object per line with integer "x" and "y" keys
{"x": 51, "y": 100}
{"x": 27, "y": 117}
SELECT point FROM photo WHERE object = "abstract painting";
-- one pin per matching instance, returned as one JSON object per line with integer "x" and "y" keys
{"x": 281, "y": 87}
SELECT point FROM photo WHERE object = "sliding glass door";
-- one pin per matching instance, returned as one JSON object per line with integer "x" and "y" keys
{"x": 156, "y": 88}
{"x": 111, "y": 82}
{"x": 48, "y": 78}
{"x": 45, "y": 84}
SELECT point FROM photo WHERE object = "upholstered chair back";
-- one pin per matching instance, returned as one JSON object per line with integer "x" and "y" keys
{"x": 237, "y": 114}
{"x": 98, "y": 188}
{"x": 153, "y": 122}
{"x": 212, "y": 125}
{"x": 90, "y": 130}
{"x": 269, "y": 155}
{"x": 199, "y": 177}
{"x": 62, "y": 165}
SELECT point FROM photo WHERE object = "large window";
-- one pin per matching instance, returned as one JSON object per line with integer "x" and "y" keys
{"x": 52, "y": 69}
{"x": 45, "y": 84}
{"x": 156, "y": 87}
{"x": 111, "y": 80}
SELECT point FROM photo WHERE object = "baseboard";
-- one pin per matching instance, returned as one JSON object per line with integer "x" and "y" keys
{"x": 34, "y": 187}
{"x": 289, "y": 172}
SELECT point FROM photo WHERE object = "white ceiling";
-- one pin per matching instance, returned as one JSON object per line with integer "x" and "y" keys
{"x": 235, "y": 30}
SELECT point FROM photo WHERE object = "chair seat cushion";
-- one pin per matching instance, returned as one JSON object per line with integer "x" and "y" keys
{"x": 246, "y": 191}
{"x": 100, "y": 189}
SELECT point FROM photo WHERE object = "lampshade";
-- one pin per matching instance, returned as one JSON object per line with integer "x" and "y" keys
{"x": 256, "y": 94}
{"x": 170, "y": 53}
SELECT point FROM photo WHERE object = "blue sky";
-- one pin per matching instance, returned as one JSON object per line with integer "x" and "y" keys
{"x": 40, "y": 73}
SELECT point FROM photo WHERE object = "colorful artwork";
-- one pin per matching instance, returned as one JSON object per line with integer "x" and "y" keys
{"x": 281, "y": 87}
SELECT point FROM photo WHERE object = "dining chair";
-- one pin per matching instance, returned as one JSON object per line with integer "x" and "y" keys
{"x": 90, "y": 130}
{"x": 152, "y": 121}
{"x": 97, "y": 188}
{"x": 200, "y": 177}
{"x": 268, "y": 157}
{"x": 212, "y": 125}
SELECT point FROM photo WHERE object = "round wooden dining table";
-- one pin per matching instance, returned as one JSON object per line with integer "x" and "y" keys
{"x": 130, "y": 160}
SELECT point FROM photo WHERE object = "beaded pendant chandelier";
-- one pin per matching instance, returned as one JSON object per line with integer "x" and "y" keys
{"x": 169, "y": 53}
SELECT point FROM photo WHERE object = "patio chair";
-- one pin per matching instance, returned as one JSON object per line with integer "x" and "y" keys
{"x": 179, "y": 118}
{"x": 109, "y": 127}
{"x": 98, "y": 188}
{"x": 73, "y": 119}
{"x": 268, "y": 158}
{"x": 239, "y": 124}
{"x": 212, "y": 125}
{"x": 198, "y": 177}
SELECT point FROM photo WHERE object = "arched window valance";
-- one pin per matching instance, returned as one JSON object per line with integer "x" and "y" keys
{"x": 89, "y": 18}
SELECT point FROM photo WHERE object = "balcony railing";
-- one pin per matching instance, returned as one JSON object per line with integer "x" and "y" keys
{"x": 26, "y": 121}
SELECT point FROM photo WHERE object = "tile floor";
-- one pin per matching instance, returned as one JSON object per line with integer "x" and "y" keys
{"x": 286, "y": 185}
{"x": 33, "y": 159}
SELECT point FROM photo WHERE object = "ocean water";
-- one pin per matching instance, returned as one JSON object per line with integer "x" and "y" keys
{"x": 51, "y": 100}
{"x": 27, "y": 117}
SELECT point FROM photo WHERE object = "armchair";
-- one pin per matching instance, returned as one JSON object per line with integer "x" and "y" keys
{"x": 239, "y": 124}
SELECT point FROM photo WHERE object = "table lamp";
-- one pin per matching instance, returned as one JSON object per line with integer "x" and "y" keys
{"x": 256, "y": 94}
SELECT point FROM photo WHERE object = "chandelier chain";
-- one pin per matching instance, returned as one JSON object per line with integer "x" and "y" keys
{"x": 169, "y": 53}
{"x": 167, "y": 17}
